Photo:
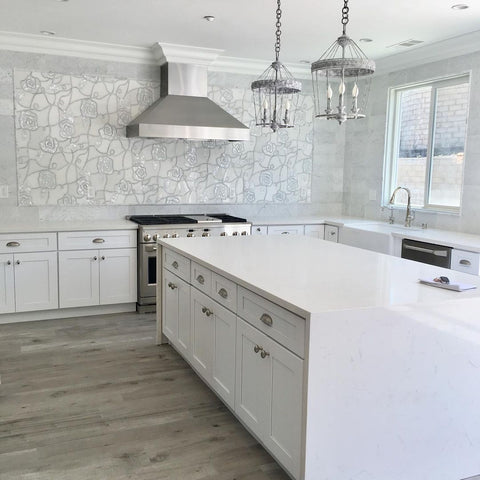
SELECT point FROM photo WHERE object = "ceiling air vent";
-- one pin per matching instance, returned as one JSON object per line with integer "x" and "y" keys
{"x": 406, "y": 43}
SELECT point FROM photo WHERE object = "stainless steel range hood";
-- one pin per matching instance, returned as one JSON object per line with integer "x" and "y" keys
{"x": 184, "y": 111}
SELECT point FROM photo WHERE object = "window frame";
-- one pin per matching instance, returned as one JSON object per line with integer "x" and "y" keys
{"x": 392, "y": 139}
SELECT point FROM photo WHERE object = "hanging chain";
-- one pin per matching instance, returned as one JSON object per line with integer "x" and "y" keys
{"x": 345, "y": 16}
{"x": 278, "y": 24}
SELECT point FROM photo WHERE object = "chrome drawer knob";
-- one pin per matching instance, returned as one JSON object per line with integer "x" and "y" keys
{"x": 172, "y": 285}
{"x": 18, "y": 262}
{"x": 9, "y": 262}
{"x": 223, "y": 293}
{"x": 200, "y": 279}
{"x": 266, "y": 319}
{"x": 264, "y": 354}
{"x": 175, "y": 264}
{"x": 257, "y": 348}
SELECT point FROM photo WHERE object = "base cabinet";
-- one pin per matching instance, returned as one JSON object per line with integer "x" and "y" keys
{"x": 28, "y": 282}
{"x": 213, "y": 344}
{"x": 269, "y": 382}
{"x": 97, "y": 277}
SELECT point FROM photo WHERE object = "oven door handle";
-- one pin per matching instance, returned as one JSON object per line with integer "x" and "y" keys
{"x": 150, "y": 248}
{"x": 437, "y": 253}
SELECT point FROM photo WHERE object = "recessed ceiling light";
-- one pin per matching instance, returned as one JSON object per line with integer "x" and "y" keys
{"x": 209, "y": 18}
{"x": 366, "y": 40}
{"x": 460, "y": 6}
{"x": 47, "y": 33}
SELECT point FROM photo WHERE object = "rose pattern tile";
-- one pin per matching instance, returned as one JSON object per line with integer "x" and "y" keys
{"x": 72, "y": 150}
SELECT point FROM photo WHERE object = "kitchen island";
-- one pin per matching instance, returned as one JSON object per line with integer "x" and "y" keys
{"x": 343, "y": 365}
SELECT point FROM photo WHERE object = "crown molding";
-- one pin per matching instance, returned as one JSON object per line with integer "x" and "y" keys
{"x": 451, "y": 47}
{"x": 159, "y": 53}
{"x": 20, "y": 42}
{"x": 169, "y": 52}
{"x": 250, "y": 66}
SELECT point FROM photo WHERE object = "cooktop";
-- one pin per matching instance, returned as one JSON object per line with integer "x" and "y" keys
{"x": 185, "y": 219}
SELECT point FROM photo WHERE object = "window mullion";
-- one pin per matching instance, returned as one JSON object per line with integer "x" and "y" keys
{"x": 430, "y": 145}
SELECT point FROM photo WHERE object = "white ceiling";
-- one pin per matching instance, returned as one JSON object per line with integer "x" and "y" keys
{"x": 244, "y": 28}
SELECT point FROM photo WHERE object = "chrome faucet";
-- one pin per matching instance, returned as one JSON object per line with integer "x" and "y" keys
{"x": 408, "y": 216}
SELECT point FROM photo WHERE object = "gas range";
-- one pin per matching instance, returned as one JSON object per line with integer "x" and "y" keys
{"x": 153, "y": 227}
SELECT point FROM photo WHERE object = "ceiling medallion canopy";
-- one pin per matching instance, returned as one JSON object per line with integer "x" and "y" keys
{"x": 275, "y": 93}
{"x": 341, "y": 78}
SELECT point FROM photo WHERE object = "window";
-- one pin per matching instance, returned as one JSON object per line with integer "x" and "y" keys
{"x": 425, "y": 149}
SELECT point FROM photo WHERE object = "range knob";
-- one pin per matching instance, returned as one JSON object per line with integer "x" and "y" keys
{"x": 235, "y": 233}
{"x": 167, "y": 235}
{"x": 175, "y": 235}
{"x": 155, "y": 237}
{"x": 205, "y": 234}
{"x": 223, "y": 234}
{"x": 147, "y": 237}
{"x": 190, "y": 234}
{"x": 244, "y": 233}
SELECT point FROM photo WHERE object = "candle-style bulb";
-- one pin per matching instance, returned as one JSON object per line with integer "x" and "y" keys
{"x": 341, "y": 88}
{"x": 355, "y": 91}
{"x": 287, "y": 105}
{"x": 329, "y": 92}
{"x": 265, "y": 103}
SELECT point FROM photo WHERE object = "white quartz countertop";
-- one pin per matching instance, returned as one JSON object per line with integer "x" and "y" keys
{"x": 308, "y": 220}
{"x": 310, "y": 276}
{"x": 20, "y": 226}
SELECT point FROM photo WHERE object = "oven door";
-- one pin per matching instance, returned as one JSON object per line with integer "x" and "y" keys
{"x": 147, "y": 274}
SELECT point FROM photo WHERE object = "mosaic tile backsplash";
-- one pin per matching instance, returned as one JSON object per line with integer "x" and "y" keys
{"x": 72, "y": 150}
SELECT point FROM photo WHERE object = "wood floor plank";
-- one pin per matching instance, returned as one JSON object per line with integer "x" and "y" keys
{"x": 94, "y": 398}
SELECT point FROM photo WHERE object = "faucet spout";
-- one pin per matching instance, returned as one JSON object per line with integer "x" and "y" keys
{"x": 408, "y": 216}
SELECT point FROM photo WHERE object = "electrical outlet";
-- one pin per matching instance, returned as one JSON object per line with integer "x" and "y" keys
{"x": 4, "y": 191}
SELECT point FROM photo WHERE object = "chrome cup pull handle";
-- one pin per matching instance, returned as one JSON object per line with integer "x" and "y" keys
{"x": 98, "y": 240}
{"x": 465, "y": 262}
{"x": 267, "y": 319}
{"x": 200, "y": 279}
{"x": 175, "y": 264}
{"x": 13, "y": 244}
{"x": 223, "y": 293}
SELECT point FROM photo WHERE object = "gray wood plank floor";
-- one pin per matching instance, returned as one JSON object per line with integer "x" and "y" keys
{"x": 94, "y": 398}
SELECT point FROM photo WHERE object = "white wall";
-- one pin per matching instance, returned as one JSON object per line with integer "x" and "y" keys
{"x": 364, "y": 149}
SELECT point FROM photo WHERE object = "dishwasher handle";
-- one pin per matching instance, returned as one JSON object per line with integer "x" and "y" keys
{"x": 437, "y": 253}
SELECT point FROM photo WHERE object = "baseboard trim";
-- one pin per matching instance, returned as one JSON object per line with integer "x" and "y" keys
{"x": 66, "y": 313}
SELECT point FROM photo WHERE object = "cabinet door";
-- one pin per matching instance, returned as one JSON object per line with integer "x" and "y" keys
{"x": 331, "y": 233}
{"x": 202, "y": 308}
{"x": 7, "y": 284}
{"x": 78, "y": 273}
{"x": 223, "y": 368}
{"x": 284, "y": 421}
{"x": 36, "y": 281}
{"x": 118, "y": 275}
{"x": 251, "y": 386}
{"x": 176, "y": 312}
{"x": 286, "y": 230}
{"x": 317, "y": 231}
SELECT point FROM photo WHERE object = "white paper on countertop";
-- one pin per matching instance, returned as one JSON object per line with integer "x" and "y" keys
{"x": 456, "y": 287}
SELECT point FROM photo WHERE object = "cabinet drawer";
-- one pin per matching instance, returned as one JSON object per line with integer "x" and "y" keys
{"x": 463, "y": 261}
{"x": 201, "y": 278}
{"x": 176, "y": 263}
{"x": 224, "y": 291}
{"x": 94, "y": 240}
{"x": 280, "y": 324}
{"x": 286, "y": 230}
{"x": 317, "y": 231}
{"x": 28, "y": 242}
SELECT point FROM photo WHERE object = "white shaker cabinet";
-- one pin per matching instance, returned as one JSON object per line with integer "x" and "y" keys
{"x": 317, "y": 231}
{"x": 286, "y": 230}
{"x": 331, "y": 233}
{"x": 269, "y": 382}
{"x": 176, "y": 308}
{"x": 213, "y": 344}
{"x": 29, "y": 273}
{"x": 97, "y": 274}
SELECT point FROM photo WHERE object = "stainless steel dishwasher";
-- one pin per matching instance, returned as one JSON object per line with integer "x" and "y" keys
{"x": 430, "y": 253}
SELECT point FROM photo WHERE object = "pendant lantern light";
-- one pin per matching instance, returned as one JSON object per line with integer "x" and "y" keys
{"x": 275, "y": 93}
{"x": 341, "y": 78}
